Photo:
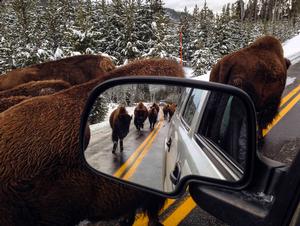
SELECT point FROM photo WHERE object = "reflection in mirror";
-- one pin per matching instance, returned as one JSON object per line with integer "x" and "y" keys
{"x": 154, "y": 135}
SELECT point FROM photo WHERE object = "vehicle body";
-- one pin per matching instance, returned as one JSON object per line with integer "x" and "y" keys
{"x": 184, "y": 144}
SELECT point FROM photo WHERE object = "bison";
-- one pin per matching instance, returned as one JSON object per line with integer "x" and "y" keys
{"x": 36, "y": 88}
{"x": 74, "y": 70}
{"x": 140, "y": 115}
{"x": 152, "y": 115}
{"x": 119, "y": 121}
{"x": 155, "y": 105}
{"x": 260, "y": 70}
{"x": 44, "y": 179}
{"x": 166, "y": 111}
{"x": 171, "y": 110}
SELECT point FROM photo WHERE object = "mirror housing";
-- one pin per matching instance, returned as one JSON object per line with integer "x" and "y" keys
{"x": 193, "y": 84}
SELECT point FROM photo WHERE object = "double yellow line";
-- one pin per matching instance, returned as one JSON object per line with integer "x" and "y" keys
{"x": 183, "y": 210}
{"x": 129, "y": 167}
{"x": 285, "y": 109}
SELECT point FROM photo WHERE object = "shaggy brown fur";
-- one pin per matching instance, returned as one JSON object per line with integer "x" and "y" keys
{"x": 261, "y": 71}
{"x": 8, "y": 102}
{"x": 166, "y": 111}
{"x": 44, "y": 180}
{"x": 36, "y": 88}
{"x": 158, "y": 67}
{"x": 140, "y": 115}
{"x": 171, "y": 110}
{"x": 152, "y": 115}
{"x": 74, "y": 70}
{"x": 156, "y": 107}
{"x": 119, "y": 121}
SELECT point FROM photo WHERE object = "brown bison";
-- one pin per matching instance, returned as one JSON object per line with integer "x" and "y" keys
{"x": 74, "y": 70}
{"x": 152, "y": 115}
{"x": 140, "y": 115}
{"x": 44, "y": 180}
{"x": 166, "y": 111}
{"x": 155, "y": 105}
{"x": 36, "y": 88}
{"x": 171, "y": 110}
{"x": 119, "y": 121}
{"x": 8, "y": 102}
{"x": 259, "y": 69}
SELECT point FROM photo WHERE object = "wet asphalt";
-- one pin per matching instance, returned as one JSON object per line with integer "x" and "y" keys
{"x": 147, "y": 144}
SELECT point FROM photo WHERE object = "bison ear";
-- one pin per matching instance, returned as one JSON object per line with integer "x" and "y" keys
{"x": 287, "y": 63}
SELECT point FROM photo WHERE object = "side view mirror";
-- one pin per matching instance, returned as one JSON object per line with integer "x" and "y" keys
{"x": 159, "y": 134}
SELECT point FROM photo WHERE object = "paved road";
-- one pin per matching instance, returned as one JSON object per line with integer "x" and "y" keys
{"x": 142, "y": 155}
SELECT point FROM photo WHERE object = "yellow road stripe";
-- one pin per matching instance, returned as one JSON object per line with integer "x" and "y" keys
{"x": 139, "y": 159}
{"x": 168, "y": 204}
{"x": 180, "y": 213}
{"x": 133, "y": 156}
{"x": 184, "y": 209}
{"x": 289, "y": 95}
{"x": 143, "y": 219}
{"x": 282, "y": 113}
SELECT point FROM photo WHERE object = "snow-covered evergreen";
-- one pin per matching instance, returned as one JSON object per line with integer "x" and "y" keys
{"x": 35, "y": 31}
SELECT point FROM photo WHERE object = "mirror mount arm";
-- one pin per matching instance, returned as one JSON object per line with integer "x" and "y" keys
{"x": 267, "y": 172}
{"x": 232, "y": 207}
{"x": 248, "y": 207}
{"x": 251, "y": 206}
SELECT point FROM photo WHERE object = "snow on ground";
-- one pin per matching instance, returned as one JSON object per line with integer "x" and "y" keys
{"x": 291, "y": 50}
{"x": 189, "y": 74}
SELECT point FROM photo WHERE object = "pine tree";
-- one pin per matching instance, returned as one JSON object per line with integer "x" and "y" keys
{"x": 99, "y": 111}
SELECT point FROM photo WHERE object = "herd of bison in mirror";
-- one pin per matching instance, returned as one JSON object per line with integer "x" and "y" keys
{"x": 129, "y": 125}
{"x": 125, "y": 119}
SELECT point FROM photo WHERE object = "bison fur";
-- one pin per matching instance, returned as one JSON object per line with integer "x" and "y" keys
{"x": 74, "y": 70}
{"x": 36, "y": 88}
{"x": 119, "y": 121}
{"x": 260, "y": 70}
{"x": 140, "y": 115}
{"x": 171, "y": 110}
{"x": 8, "y": 102}
{"x": 152, "y": 115}
{"x": 44, "y": 179}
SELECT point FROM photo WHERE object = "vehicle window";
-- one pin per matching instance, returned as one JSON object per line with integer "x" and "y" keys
{"x": 182, "y": 98}
{"x": 191, "y": 106}
{"x": 225, "y": 124}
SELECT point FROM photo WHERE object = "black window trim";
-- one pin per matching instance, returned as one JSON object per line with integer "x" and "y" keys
{"x": 212, "y": 150}
{"x": 184, "y": 106}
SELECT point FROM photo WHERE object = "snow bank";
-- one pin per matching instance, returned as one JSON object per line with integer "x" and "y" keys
{"x": 188, "y": 71}
{"x": 291, "y": 49}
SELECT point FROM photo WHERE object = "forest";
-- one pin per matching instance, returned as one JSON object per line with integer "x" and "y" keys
{"x": 35, "y": 31}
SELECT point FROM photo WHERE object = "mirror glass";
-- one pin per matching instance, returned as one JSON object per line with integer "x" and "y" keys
{"x": 155, "y": 135}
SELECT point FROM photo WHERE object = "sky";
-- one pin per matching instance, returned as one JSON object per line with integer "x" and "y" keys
{"x": 178, "y": 5}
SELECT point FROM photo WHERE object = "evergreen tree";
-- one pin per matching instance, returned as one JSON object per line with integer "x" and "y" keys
{"x": 99, "y": 111}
